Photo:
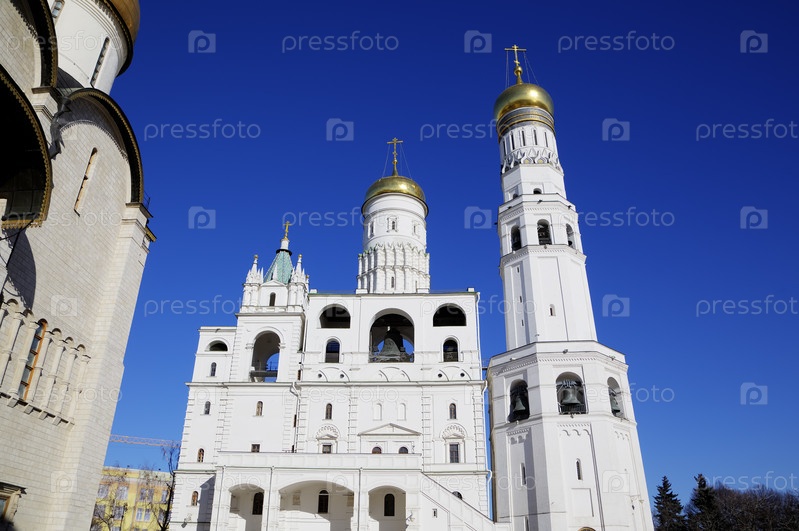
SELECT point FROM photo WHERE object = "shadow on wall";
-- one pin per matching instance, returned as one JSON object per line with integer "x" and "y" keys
{"x": 6, "y": 525}
{"x": 21, "y": 267}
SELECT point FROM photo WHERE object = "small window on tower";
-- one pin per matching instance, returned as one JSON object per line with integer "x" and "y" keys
{"x": 552, "y": 310}
{"x": 255, "y": 448}
{"x": 327, "y": 448}
{"x": 515, "y": 239}
{"x": 570, "y": 236}
{"x": 272, "y": 299}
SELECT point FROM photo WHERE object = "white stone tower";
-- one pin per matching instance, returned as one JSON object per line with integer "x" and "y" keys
{"x": 563, "y": 435}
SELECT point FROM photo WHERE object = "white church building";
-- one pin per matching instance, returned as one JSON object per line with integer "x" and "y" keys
{"x": 366, "y": 411}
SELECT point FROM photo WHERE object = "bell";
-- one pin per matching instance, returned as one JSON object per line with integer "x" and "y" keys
{"x": 570, "y": 397}
{"x": 392, "y": 343}
{"x": 614, "y": 404}
{"x": 518, "y": 405}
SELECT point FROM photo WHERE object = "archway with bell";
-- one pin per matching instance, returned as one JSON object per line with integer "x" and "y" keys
{"x": 391, "y": 339}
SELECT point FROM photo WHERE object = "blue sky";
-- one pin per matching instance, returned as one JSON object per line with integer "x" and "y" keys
{"x": 704, "y": 143}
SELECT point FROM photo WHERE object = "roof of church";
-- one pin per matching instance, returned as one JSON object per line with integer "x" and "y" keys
{"x": 281, "y": 267}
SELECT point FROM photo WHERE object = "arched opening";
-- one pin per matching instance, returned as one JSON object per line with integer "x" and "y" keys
{"x": 258, "y": 503}
{"x": 377, "y": 450}
{"x": 334, "y": 317}
{"x": 328, "y": 411}
{"x": 213, "y": 369}
{"x": 323, "y": 502}
{"x": 515, "y": 239}
{"x": 259, "y": 409}
{"x": 544, "y": 234}
{"x": 332, "y": 351}
{"x": 272, "y": 299}
{"x": 200, "y": 455}
{"x": 457, "y": 495}
{"x": 391, "y": 339}
{"x": 265, "y": 358}
{"x": 453, "y": 412}
{"x": 217, "y": 346}
{"x": 615, "y": 398}
{"x": 570, "y": 393}
{"x": 195, "y": 498}
{"x": 27, "y": 173}
{"x": 403, "y": 450}
{"x": 537, "y": 191}
{"x": 570, "y": 236}
{"x": 449, "y": 315}
{"x": 579, "y": 470}
{"x": 207, "y": 408}
{"x": 519, "y": 404}
{"x": 387, "y": 509}
{"x": 388, "y": 505}
{"x": 450, "y": 350}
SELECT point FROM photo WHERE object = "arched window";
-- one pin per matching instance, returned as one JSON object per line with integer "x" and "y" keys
{"x": 207, "y": 408}
{"x": 403, "y": 450}
{"x": 537, "y": 191}
{"x": 449, "y": 315}
{"x": 32, "y": 359}
{"x": 332, "y": 351}
{"x": 259, "y": 409}
{"x": 392, "y": 282}
{"x": 258, "y": 503}
{"x": 322, "y": 504}
{"x": 100, "y": 60}
{"x": 200, "y": 455}
{"x": 544, "y": 235}
{"x": 334, "y": 317}
{"x": 329, "y": 412}
{"x": 450, "y": 350}
{"x": 524, "y": 474}
{"x": 614, "y": 395}
{"x": 401, "y": 411}
{"x": 570, "y": 235}
{"x": 453, "y": 412}
{"x": 388, "y": 505}
{"x": 552, "y": 310}
{"x": 377, "y": 450}
{"x": 579, "y": 470}
{"x": 272, "y": 299}
{"x": 217, "y": 346}
{"x": 457, "y": 495}
{"x": 213, "y": 369}
{"x": 85, "y": 181}
{"x": 195, "y": 498}
{"x": 571, "y": 398}
{"x": 515, "y": 239}
{"x": 519, "y": 405}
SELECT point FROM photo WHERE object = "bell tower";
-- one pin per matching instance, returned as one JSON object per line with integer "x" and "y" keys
{"x": 563, "y": 434}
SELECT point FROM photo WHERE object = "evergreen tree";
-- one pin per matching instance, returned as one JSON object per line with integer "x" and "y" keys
{"x": 668, "y": 509}
{"x": 703, "y": 511}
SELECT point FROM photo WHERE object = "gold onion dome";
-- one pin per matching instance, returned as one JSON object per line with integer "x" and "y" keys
{"x": 130, "y": 12}
{"x": 395, "y": 184}
{"x": 522, "y": 95}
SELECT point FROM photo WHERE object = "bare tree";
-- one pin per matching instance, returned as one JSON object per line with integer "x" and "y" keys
{"x": 112, "y": 498}
{"x": 159, "y": 488}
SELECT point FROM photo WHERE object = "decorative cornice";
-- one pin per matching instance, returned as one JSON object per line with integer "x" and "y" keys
{"x": 531, "y": 155}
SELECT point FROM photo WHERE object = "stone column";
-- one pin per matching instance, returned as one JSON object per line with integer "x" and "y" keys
{"x": 12, "y": 326}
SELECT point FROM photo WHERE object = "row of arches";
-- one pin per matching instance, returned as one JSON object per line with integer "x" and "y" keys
{"x": 544, "y": 234}
{"x": 336, "y": 316}
{"x": 570, "y": 396}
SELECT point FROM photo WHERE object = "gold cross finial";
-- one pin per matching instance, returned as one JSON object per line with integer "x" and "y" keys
{"x": 286, "y": 234}
{"x": 518, "y": 70}
{"x": 395, "y": 141}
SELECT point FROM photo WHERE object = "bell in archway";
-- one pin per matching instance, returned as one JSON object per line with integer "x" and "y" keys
{"x": 392, "y": 343}
{"x": 570, "y": 397}
{"x": 518, "y": 405}
{"x": 614, "y": 404}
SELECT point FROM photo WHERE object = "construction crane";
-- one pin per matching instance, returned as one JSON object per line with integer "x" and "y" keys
{"x": 128, "y": 439}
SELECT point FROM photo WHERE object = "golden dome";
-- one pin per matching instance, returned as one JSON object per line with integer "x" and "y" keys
{"x": 522, "y": 95}
{"x": 130, "y": 13}
{"x": 395, "y": 184}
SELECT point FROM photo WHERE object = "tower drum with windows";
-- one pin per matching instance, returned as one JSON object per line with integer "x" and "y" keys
{"x": 563, "y": 434}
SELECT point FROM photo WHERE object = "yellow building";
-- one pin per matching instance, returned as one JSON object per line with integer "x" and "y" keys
{"x": 131, "y": 499}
